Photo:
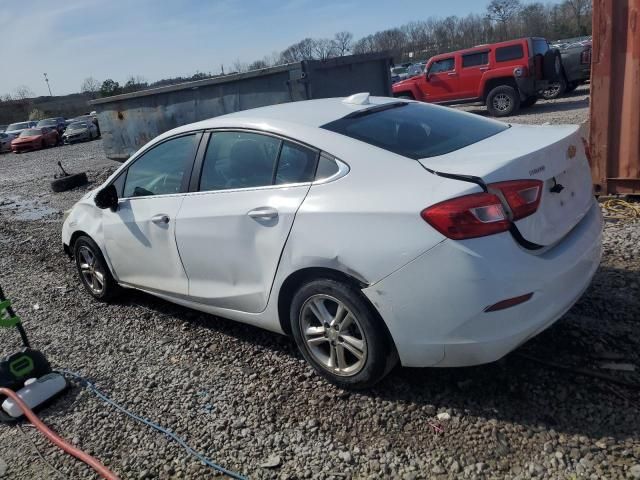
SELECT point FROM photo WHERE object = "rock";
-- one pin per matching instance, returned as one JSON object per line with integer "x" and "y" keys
{"x": 437, "y": 470}
{"x": 3, "y": 468}
{"x": 443, "y": 416}
{"x": 273, "y": 461}
{"x": 634, "y": 472}
{"x": 454, "y": 467}
{"x": 345, "y": 457}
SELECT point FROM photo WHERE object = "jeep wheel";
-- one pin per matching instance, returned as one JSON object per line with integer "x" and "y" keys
{"x": 503, "y": 101}
{"x": 554, "y": 90}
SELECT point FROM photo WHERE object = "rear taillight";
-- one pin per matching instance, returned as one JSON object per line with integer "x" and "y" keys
{"x": 482, "y": 214}
{"x": 470, "y": 216}
{"x": 585, "y": 57}
{"x": 523, "y": 196}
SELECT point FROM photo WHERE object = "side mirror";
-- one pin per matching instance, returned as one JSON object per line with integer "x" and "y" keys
{"x": 107, "y": 198}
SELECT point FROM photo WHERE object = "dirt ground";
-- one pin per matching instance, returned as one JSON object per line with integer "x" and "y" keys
{"x": 246, "y": 399}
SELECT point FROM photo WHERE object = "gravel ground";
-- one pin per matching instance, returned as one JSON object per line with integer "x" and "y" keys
{"x": 246, "y": 399}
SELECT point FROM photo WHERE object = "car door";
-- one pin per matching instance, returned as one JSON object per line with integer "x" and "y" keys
{"x": 473, "y": 66}
{"x": 140, "y": 235}
{"x": 442, "y": 81}
{"x": 232, "y": 229}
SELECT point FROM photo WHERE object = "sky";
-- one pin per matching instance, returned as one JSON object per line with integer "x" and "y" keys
{"x": 74, "y": 39}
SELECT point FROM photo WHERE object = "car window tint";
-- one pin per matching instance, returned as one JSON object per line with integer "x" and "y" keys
{"x": 239, "y": 160}
{"x": 475, "y": 59}
{"x": 327, "y": 167}
{"x": 512, "y": 52}
{"x": 444, "y": 65}
{"x": 160, "y": 170}
{"x": 417, "y": 130}
{"x": 296, "y": 164}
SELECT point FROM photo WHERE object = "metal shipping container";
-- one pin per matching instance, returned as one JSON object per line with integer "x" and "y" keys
{"x": 129, "y": 121}
{"x": 615, "y": 97}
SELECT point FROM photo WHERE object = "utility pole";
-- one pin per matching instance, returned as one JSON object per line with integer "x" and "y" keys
{"x": 48, "y": 86}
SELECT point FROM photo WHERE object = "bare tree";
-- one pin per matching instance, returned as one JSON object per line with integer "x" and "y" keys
{"x": 23, "y": 93}
{"x": 580, "y": 8}
{"x": 502, "y": 11}
{"x": 90, "y": 86}
{"x": 239, "y": 67}
{"x": 303, "y": 50}
{"x": 343, "y": 42}
{"x": 324, "y": 48}
{"x": 258, "y": 65}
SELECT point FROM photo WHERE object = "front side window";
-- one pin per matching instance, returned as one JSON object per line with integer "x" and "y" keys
{"x": 475, "y": 59}
{"x": 417, "y": 130}
{"x": 444, "y": 65}
{"x": 239, "y": 160}
{"x": 160, "y": 170}
{"x": 512, "y": 52}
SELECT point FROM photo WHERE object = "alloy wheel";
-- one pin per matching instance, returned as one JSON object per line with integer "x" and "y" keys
{"x": 92, "y": 271}
{"x": 333, "y": 335}
{"x": 502, "y": 102}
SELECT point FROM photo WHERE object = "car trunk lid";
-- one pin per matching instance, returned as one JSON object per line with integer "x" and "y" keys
{"x": 554, "y": 155}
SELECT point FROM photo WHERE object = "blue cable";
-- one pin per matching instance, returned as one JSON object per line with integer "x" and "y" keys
{"x": 155, "y": 426}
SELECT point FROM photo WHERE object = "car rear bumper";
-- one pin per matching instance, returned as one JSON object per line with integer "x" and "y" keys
{"x": 529, "y": 86}
{"x": 434, "y": 306}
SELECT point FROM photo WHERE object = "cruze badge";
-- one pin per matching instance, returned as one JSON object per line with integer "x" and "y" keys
{"x": 536, "y": 170}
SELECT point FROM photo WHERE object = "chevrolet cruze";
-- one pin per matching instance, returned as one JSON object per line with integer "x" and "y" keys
{"x": 372, "y": 230}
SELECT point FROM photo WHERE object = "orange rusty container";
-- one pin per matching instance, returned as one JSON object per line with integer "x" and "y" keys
{"x": 615, "y": 97}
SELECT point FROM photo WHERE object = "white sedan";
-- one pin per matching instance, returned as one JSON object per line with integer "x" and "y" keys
{"x": 373, "y": 230}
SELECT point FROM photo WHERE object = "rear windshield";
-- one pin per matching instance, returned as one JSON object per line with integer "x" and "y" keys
{"x": 416, "y": 130}
{"x": 17, "y": 126}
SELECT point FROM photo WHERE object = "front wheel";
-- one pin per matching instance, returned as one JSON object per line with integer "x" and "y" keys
{"x": 93, "y": 270}
{"x": 503, "y": 101}
{"x": 339, "y": 335}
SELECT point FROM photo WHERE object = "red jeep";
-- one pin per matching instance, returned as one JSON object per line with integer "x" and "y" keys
{"x": 505, "y": 76}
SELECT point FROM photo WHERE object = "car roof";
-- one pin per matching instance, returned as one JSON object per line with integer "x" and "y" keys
{"x": 310, "y": 113}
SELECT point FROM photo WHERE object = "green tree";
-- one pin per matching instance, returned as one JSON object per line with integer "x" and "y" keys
{"x": 109, "y": 88}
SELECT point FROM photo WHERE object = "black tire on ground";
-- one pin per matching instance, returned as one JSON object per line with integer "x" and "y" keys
{"x": 67, "y": 183}
{"x": 503, "y": 101}
{"x": 380, "y": 355}
{"x": 81, "y": 248}
{"x": 555, "y": 89}
{"x": 530, "y": 101}
{"x": 552, "y": 65}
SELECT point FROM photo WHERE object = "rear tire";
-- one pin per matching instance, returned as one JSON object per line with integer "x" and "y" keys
{"x": 503, "y": 101}
{"x": 340, "y": 335}
{"x": 70, "y": 181}
{"x": 555, "y": 90}
{"x": 93, "y": 270}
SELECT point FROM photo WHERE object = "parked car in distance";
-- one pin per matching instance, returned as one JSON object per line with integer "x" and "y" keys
{"x": 58, "y": 123}
{"x": 416, "y": 69}
{"x": 576, "y": 69}
{"x": 398, "y": 74}
{"x": 80, "y": 131}
{"x": 3, "y": 128}
{"x": 88, "y": 118}
{"x": 373, "y": 230}
{"x": 35, "y": 138}
{"x": 16, "y": 129}
{"x": 504, "y": 76}
{"x": 5, "y": 142}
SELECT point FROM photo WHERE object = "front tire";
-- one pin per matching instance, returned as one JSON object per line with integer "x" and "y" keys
{"x": 93, "y": 270}
{"x": 340, "y": 335}
{"x": 503, "y": 101}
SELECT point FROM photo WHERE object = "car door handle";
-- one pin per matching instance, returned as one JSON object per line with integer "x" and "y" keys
{"x": 452, "y": 74}
{"x": 264, "y": 213}
{"x": 484, "y": 68}
{"x": 160, "y": 219}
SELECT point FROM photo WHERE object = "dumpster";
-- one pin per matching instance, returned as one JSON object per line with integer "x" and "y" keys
{"x": 129, "y": 121}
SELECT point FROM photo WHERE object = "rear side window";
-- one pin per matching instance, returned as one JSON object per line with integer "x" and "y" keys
{"x": 416, "y": 130}
{"x": 512, "y": 52}
{"x": 475, "y": 59}
{"x": 444, "y": 65}
{"x": 296, "y": 164}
